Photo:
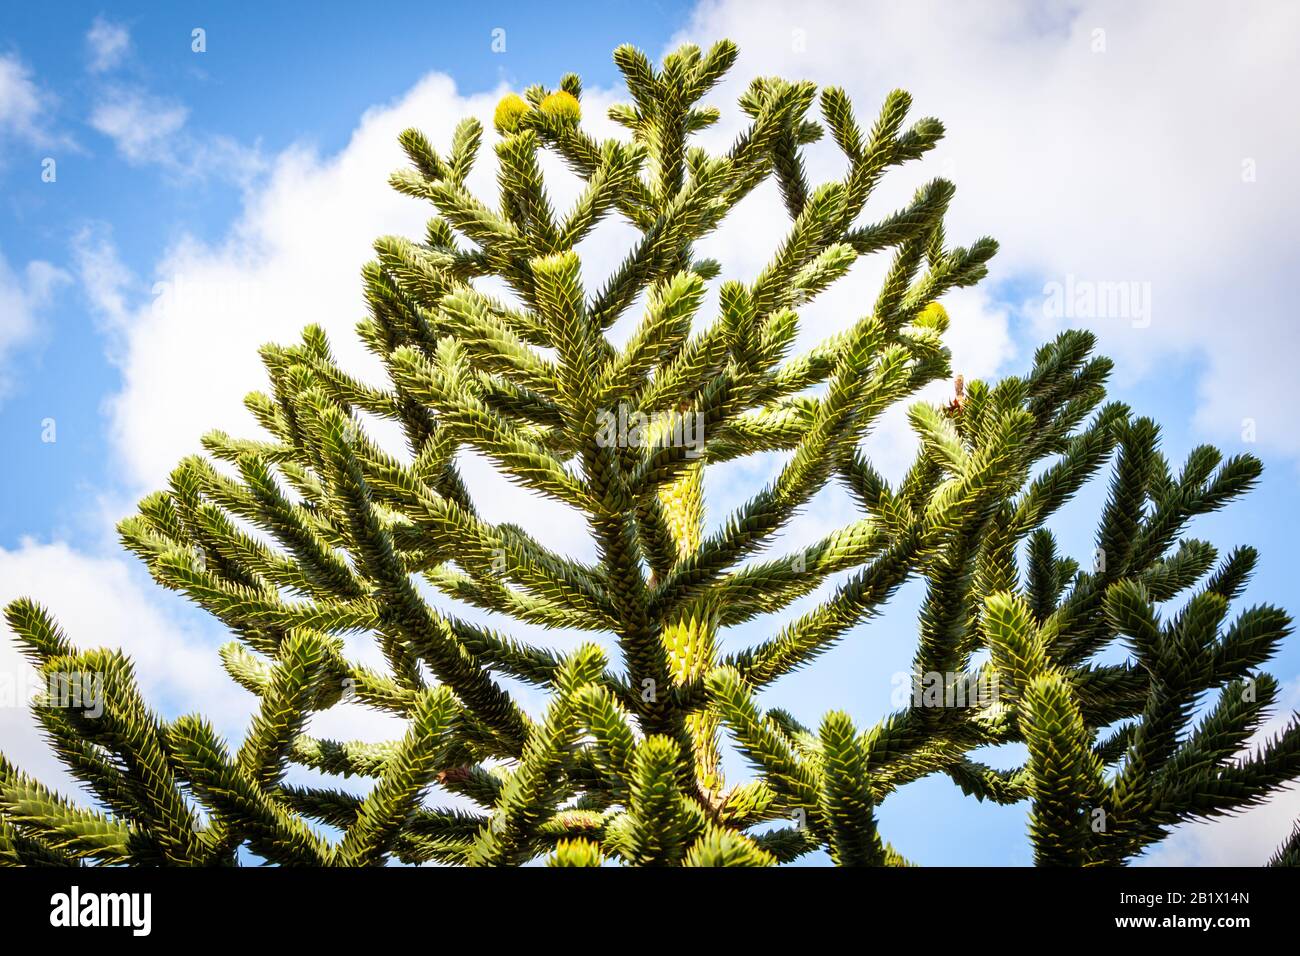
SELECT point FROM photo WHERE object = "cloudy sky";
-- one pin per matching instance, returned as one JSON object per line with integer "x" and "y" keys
{"x": 166, "y": 210}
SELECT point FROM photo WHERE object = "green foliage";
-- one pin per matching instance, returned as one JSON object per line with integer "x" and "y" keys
{"x": 625, "y": 764}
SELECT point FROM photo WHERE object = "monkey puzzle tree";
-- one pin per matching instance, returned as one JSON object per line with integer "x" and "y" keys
{"x": 315, "y": 531}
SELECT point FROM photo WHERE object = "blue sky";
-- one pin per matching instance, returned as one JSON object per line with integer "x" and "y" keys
{"x": 1126, "y": 162}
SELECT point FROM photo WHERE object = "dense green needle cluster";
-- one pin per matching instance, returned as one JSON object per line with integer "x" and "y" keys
{"x": 1133, "y": 710}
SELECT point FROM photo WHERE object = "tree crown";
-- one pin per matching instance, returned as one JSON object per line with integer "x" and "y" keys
{"x": 314, "y": 531}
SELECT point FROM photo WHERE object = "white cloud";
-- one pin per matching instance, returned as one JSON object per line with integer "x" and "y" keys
{"x": 22, "y": 297}
{"x": 141, "y": 126}
{"x": 105, "y": 280}
{"x": 23, "y": 104}
{"x": 1114, "y": 166}
{"x": 151, "y": 130}
{"x": 108, "y": 44}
